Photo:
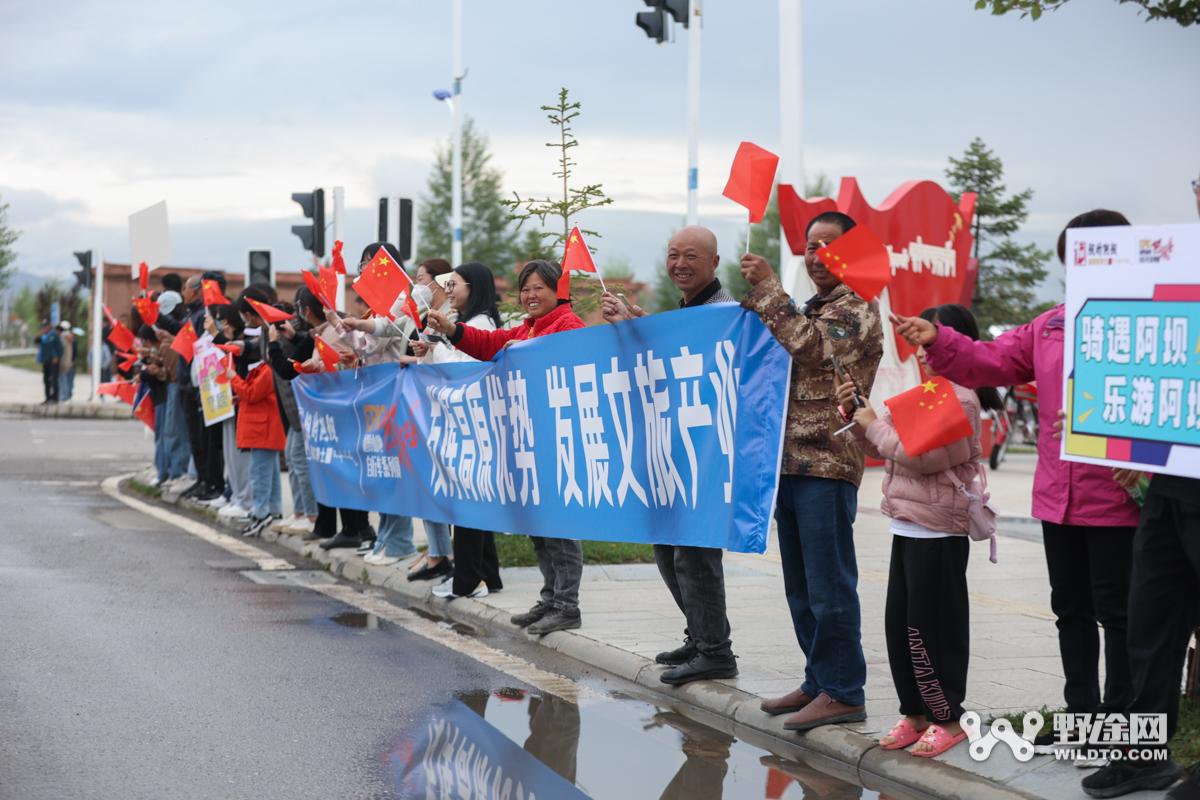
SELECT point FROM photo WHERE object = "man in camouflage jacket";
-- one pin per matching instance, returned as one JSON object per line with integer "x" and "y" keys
{"x": 820, "y": 473}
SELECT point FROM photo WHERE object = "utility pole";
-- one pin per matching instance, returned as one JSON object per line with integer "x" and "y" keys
{"x": 791, "y": 131}
{"x": 97, "y": 319}
{"x": 456, "y": 221}
{"x": 693, "y": 108}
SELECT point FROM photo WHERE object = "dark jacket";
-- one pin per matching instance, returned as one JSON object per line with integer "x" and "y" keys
{"x": 49, "y": 347}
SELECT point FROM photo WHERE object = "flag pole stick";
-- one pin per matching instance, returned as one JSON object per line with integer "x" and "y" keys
{"x": 749, "y": 226}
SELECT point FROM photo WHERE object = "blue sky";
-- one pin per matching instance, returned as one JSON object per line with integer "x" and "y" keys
{"x": 226, "y": 108}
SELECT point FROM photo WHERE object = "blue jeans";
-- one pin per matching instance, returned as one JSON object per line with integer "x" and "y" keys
{"x": 66, "y": 384}
{"x": 395, "y": 535}
{"x": 820, "y": 578}
{"x": 303, "y": 500}
{"x": 265, "y": 483}
{"x": 438, "y": 534}
{"x": 160, "y": 443}
{"x": 177, "y": 449}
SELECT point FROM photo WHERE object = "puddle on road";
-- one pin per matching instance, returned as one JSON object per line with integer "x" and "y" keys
{"x": 519, "y": 744}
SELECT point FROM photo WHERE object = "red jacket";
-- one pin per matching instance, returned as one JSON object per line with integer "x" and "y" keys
{"x": 258, "y": 424}
{"x": 483, "y": 345}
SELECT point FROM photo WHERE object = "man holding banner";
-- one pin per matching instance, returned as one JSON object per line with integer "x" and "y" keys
{"x": 693, "y": 575}
{"x": 818, "y": 488}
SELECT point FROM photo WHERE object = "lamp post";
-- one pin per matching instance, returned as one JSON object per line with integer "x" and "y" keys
{"x": 455, "y": 102}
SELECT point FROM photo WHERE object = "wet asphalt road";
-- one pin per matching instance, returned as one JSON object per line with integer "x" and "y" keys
{"x": 130, "y": 668}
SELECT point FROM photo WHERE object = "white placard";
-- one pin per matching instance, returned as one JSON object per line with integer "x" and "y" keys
{"x": 150, "y": 237}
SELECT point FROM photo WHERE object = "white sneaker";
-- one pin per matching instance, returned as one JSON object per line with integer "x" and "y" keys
{"x": 232, "y": 512}
{"x": 381, "y": 560}
{"x": 480, "y": 591}
{"x": 217, "y": 502}
{"x": 299, "y": 526}
{"x": 445, "y": 590}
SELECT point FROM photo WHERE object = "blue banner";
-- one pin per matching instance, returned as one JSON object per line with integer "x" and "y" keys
{"x": 663, "y": 430}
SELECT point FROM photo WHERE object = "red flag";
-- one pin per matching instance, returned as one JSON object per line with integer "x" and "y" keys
{"x": 185, "y": 341}
{"x": 120, "y": 336}
{"x": 130, "y": 360}
{"x": 929, "y": 416}
{"x": 751, "y": 179}
{"x": 212, "y": 294}
{"x": 339, "y": 263}
{"x": 383, "y": 283}
{"x": 299, "y": 366}
{"x": 143, "y": 407}
{"x": 314, "y": 286}
{"x": 576, "y": 256}
{"x": 268, "y": 313}
{"x": 229, "y": 348}
{"x": 122, "y": 390}
{"x": 226, "y": 363}
{"x": 329, "y": 356}
{"x": 111, "y": 319}
{"x": 147, "y": 309}
{"x": 860, "y": 260}
{"x": 144, "y": 277}
{"x": 327, "y": 278}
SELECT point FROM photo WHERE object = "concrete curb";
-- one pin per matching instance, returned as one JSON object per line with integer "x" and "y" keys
{"x": 843, "y": 752}
{"x": 70, "y": 410}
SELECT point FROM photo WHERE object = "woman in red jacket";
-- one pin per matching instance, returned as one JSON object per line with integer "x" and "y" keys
{"x": 560, "y": 560}
{"x": 259, "y": 426}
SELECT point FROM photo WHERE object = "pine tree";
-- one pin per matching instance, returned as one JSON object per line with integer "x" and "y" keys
{"x": 1008, "y": 272}
{"x": 487, "y": 236}
{"x": 7, "y": 255}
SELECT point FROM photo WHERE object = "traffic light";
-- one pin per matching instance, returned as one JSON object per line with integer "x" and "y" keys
{"x": 678, "y": 9}
{"x": 312, "y": 236}
{"x": 653, "y": 22}
{"x": 258, "y": 268}
{"x": 84, "y": 276}
{"x": 404, "y": 242}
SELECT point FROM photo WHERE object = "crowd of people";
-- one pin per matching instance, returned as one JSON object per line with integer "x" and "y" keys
{"x": 1111, "y": 561}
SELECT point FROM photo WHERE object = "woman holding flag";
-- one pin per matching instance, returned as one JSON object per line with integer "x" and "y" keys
{"x": 560, "y": 560}
{"x": 926, "y": 617}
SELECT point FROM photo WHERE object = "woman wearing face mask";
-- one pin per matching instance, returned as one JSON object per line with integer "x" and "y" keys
{"x": 471, "y": 290}
{"x": 428, "y": 296}
{"x": 227, "y": 327}
{"x": 560, "y": 560}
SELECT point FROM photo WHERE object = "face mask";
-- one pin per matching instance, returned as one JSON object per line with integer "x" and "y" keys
{"x": 423, "y": 295}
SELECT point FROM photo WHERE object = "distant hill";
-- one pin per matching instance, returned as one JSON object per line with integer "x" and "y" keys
{"x": 20, "y": 280}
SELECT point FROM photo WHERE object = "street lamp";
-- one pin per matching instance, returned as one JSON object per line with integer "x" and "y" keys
{"x": 456, "y": 254}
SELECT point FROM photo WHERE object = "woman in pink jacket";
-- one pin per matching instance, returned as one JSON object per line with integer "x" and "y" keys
{"x": 926, "y": 618}
{"x": 1088, "y": 519}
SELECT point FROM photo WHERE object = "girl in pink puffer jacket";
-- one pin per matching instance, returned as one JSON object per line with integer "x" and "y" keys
{"x": 926, "y": 619}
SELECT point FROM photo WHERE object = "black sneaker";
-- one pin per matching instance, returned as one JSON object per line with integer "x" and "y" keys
{"x": 556, "y": 620}
{"x": 343, "y": 539}
{"x": 256, "y": 525}
{"x": 531, "y": 616}
{"x": 1188, "y": 790}
{"x": 680, "y": 655}
{"x": 366, "y": 548}
{"x": 1121, "y": 777}
{"x": 701, "y": 668}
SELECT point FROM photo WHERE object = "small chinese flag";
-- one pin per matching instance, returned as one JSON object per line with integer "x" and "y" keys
{"x": 229, "y": 348}
{"x": 576, "y": 256}
{"x": 268, "y": 313}
{"x": 382, "y": 284}
{"x": 751, "y": 179}
{"x": 212, "y": 294}
{"x": 143, "y": 407}
{"x": 121, "y": 337}
{"x": 299, "y": 366}
{"x": 338, "y": 263}
{"x": 860, "y": 260}
{"x": 327, "y": 279}
{"x": 147, "y": 309}
{"x": 122, "y": 390}
{"x": 314, "y": 286}
{"x": 111, "y": 319}
{"x": 144, "y": 276}
{"x": 329, "y": 356}
{"x": 928, "y": 417}
{"x": 129, "y": 360}
{"x": 226, "y": 363}
{"x": 185, "y": 341}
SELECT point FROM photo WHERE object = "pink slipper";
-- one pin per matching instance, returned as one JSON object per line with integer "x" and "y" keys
{"x": 941, "y": 740}
{"x": 904, "y": 733}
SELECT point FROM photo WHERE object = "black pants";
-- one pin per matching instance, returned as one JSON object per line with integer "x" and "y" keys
{"x": 927, "y": 624}
{"x": 696, "y": 580}
{"x": 553, "y": 732}
{"x": 1089, "y": 583}
{"x": 1163, "y": 594}
{"x": 50, "y": 381}
{"x": 208, "y": 448}
{"x": 475, "y": 561}
{"x": 354, "y": 522}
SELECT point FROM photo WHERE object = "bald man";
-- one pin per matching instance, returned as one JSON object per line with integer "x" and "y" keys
{"x": 693, "y": 574}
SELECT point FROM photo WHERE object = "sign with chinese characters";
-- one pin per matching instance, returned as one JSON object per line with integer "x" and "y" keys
{"x": 1132, "y": 360}
{"x": 216, "y": 399}
{"x": 664, "y": 430}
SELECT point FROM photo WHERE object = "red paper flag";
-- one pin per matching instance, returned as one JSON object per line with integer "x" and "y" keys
{"x": 860, "y": 260}
{"x": 751, "y": 179}
{"x": 144, "y": 277}
{"x": 111, "y": 319}
{"x": 130, "y": 360}
{"x": 339, "y": 263}
{"x": 226, "y": 363}
{"x": 268, "y": 313}
{"x": 122, "y": 390}
{"x": 382, "y": 284}
{"x": 212, "y": 294}
{"x": 327, "y": 278}
{"x": 229, "y": 348}
{"x": 314, "y": 286}
{"x": 576, "y": 256}
{"x": 329, "y": 356}
{"x": 928, "y": 417}
{"x": 147, "y": 309}
{"x": 185, "y": 342}
{"x": 299, "y": 366}
{"x": 143, "y": 407}
{"x": 120, "y": 336}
